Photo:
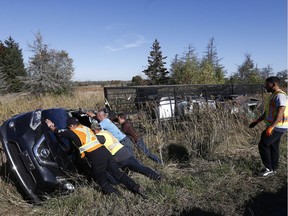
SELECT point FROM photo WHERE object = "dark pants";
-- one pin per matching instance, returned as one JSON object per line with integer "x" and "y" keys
{"x": 141, "y": 145}
{"x": 269, "y": 149}
{"x": 102, "y": 161}
{"x": 134, "y": 165}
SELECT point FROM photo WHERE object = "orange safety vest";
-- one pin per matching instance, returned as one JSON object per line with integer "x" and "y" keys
{"x": 111, "y": 143}
{"x": 271, "y": 111}
{"x": 88, "y": 139}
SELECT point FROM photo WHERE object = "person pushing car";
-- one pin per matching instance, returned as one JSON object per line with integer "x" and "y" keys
{"x": 98, "y": 156}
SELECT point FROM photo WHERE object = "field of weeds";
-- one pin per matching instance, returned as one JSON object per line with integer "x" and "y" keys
{"x": 210, "y": 161}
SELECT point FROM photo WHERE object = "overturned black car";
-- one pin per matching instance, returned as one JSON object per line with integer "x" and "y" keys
{"x": 40, "y": 162}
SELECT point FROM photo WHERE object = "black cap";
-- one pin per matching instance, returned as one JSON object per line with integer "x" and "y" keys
{"x": 72, "y": 121}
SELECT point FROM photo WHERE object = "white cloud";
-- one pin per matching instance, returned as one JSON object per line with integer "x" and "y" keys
{"x": 126, "y": 42}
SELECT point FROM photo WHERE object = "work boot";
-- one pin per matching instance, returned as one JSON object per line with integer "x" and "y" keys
{"x": 141, "y": 191}
{"x": 160, "y": 179}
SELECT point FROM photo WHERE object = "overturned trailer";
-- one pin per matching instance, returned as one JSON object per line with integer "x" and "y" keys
{"x": 169, "y": 101}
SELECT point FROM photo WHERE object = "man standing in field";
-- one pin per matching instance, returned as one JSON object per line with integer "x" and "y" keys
{"x": 276, "y": 119}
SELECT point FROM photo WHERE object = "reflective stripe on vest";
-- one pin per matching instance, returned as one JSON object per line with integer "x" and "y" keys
{"x": 88, "y": 139}
{"x": 271, "y": 111}
{"x": 111, "y": 143}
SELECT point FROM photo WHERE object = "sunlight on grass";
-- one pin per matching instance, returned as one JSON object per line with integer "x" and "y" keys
{"x": 209, "y": 164}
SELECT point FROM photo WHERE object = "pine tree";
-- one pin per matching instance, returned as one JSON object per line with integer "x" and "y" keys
{"x": 12, "y": 66}
{"x": 156, "y": 72}
{"x": 137, "y": 80}
{"x": 50, "y": 71}
{"x": 186, "y": 69}
{"x": 3, "y": 86}
{"x": 247, "y": 72}
{"x": 212, "y": 70}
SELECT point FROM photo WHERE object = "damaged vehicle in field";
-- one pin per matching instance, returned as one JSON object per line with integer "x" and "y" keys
{"x": 40, "y": 162}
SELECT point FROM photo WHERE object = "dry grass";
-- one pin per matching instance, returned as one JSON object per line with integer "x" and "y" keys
{"x": 210, "y": 163}
{"x": 83, "y": 97}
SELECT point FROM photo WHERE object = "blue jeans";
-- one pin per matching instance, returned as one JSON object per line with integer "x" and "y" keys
{"x": 141, "y": 145}
{"x": 126, "y": 141}
{"x": 134, "y": 165}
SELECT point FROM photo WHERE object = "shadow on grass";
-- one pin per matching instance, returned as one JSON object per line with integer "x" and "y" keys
{"x": 178, "y": 153}
{"x": 197, "y": 212}
{"x": 268, "y": 204}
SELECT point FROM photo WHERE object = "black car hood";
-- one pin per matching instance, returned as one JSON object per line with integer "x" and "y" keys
{"x": 29, "y": 128}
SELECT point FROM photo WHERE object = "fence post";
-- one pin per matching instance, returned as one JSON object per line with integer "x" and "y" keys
{"x": 232, "y": 89}
{"x": 106, "y": 93}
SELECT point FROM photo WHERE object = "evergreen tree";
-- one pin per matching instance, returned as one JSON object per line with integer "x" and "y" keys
{"x": 50, "y": 71}
{"x": 206, "y": 75}
{"x": 156, "y": 72}
{"x": 12, "y": 66}
{"x": 247, "y": 72}
{"x": 3, "y": 77}
{"x": 3, "y": 86}
{"x": 212, "y": 70}
{"x": 192, "y": 70}
{"x": 176, "y": 70}
{"x": 137, "y": 80}
{"x": 186, "y": 69}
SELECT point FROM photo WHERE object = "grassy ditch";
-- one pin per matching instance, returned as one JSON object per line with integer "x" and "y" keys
{"x": 210, "y": 161}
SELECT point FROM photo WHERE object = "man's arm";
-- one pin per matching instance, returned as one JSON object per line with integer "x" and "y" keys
{"x": 101, "y": 139}
{"x": 261, "y": 118}
{"x": 63, "y": 133}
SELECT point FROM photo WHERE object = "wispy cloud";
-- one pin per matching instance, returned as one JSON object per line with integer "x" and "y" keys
{"x": 126, "y": 42}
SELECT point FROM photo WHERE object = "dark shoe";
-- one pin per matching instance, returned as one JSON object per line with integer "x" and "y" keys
{"x": 159, "y": 178}
{"x": 141, "y": 191}
{"x": 264, "y": 172}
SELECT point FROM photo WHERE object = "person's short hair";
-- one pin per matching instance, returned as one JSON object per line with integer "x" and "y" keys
{"x": 122, "y": 116}
{"x": 95, "y": 125}
{"x": 273, "y": 79}
{"x": 72, "y": 121}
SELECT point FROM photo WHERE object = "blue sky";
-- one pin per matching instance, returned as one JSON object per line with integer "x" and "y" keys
{"x": 112, "y": 39}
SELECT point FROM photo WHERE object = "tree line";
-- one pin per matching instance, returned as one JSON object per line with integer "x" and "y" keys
{"x": 189, "y": 68}
{"x": 51, "y": 71}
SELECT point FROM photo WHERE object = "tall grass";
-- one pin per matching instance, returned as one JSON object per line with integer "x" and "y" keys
{"x": 202, "y": 132}
{"x": 83, "y": 97}
{"x": 210, "y": 159}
